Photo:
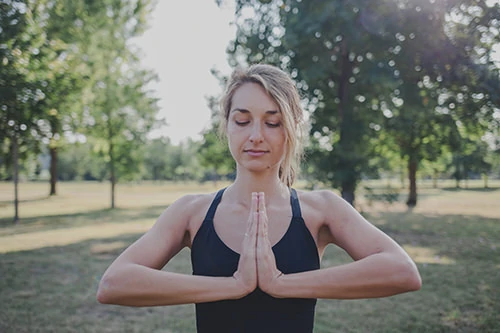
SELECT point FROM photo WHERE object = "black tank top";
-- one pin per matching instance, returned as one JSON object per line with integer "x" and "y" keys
{"x": 258, "y": 311}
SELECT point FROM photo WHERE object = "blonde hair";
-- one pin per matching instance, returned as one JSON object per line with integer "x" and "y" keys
{"x": 281, "y": 88}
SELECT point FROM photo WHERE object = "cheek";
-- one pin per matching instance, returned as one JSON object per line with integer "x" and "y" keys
{"x": 233, "y": 134}
{"x": 277, "y": 137}
{"x": 233, "y": 137}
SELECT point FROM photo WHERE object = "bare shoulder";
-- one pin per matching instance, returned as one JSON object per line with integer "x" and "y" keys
{"x": 317, "y": 208}
{"x": 169, "y": 234}
{"x": 322, "y": 201}
{"x": 185, "y": 215}
{"x": 186, "y": 208}
{"x": 325, "y": 213}
{"x": 188, "y": 203}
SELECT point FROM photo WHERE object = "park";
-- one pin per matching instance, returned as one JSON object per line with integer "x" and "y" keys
{"x": 51, "y": 263}
{"x": 397, "y": 109}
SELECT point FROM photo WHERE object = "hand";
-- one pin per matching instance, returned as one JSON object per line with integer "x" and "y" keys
{"x": 246, "y": 273}
{"x": 267, "y": 272}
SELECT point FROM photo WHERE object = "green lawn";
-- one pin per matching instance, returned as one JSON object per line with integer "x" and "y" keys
{"x": 50, "y": 263}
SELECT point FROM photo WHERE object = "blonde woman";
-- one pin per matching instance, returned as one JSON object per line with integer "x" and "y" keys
{"x": 256, "y": 245}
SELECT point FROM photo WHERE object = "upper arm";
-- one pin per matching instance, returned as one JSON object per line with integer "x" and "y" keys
{"x": 351, "y": 231}
{"x": 165, "y": 239}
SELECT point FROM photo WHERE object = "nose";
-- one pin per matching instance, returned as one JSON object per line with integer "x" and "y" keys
{"x": 256, "y": 134}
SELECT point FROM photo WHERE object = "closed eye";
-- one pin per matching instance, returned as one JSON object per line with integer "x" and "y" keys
{"x": 242, "y": 123}
{"x": 273, "y": 124}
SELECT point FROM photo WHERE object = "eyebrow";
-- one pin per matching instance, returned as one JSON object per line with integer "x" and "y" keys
{"x": 247, "y": 111}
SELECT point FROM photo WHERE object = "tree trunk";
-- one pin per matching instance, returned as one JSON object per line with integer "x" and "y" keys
{"x": 485, "y": 178}
{"x": 402, "y": 178}
{"x": 412, "y": 175}
{"x": 348, "y": 192}
{"x": 53, "y": 170}
{"x": 346, "y": 141}
{"x": 113, "y": 184}
{"x": 434, "y": 180}
{"x": 112, "y": 174}
{"x": 15, "y": 157}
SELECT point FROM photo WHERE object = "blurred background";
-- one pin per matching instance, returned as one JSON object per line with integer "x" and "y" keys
{"x": 108, "y": 113}
{"x": 127, "y": 91}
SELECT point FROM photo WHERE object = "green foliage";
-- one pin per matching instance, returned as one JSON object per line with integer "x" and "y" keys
{"x": 336, "y": 63}
{"x": 379, "y": 78}
{"x": 23, "y": 48}
{"x": 165, "y": 161}
{"x": 470, "y": 160}
{"x": 445, "y": 94}
{"x": 67, "y": 69}
{"x": 118, "y": 110}
{"x": 158, "y": 160}
{"x": 213, "y": 151}
{"x": 215, "y": 156}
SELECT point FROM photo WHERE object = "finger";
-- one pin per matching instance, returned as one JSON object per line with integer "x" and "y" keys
{"x": 263, "y": 225}
{"x": 262, "y": 202}
{"x": 251, "y": 217}
{"x": 252, "y": 227}
{"x": 255, "y": 201}
{"x": 263, "y": 244}
{"x": 248, "y": 251}
{"x": 265, "y": 255}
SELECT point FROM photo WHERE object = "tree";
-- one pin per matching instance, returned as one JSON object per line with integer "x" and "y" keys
{"x": 390, "y": 64}
{"x": 330, "y": 49}
{"x": 23, "y": 53}
{"x": 213, "y": 151}
{"x": 215, "y": 156}
{"x": 120, "y": 109}
{"x": 447, "y": 81}
{"x": 471, "y": 160}
{"x": 65, "y": 24}
{"x": 156, "y": 160}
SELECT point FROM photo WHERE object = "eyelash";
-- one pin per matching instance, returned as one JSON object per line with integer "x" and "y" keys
{"x": 243, "y": 123}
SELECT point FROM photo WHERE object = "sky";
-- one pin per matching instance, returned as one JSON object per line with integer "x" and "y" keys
{"x": 185, "y": 40}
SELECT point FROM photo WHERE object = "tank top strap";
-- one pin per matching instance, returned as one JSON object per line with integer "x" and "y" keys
{"x": 215, "y": 203}
{"x": 294, "y": 201}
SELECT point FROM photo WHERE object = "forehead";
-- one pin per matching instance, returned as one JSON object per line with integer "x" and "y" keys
{"x": 252, "y": 97}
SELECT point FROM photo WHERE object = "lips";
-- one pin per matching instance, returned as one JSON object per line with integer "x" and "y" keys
{"x": 255, "y": 152}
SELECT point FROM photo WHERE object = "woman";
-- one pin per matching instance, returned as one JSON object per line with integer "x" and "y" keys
{"x": 256, "y": 245}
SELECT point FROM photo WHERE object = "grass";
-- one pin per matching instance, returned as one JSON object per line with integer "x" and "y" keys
{"x": 50, "y": 263}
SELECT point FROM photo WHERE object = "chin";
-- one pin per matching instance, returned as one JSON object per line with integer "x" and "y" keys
{"x": 259, "y": 166}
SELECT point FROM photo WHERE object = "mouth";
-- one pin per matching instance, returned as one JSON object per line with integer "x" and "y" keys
{"x": 255, "y": 152}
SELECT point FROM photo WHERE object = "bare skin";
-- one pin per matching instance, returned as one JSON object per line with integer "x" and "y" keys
{"x": 253, "y": 215}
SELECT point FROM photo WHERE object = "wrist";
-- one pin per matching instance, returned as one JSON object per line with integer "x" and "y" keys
{"x": 276, "y": 288}
{"x": 240, "y": 288}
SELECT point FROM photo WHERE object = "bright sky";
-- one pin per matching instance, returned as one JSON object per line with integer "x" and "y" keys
{"x": 185, "y": 40}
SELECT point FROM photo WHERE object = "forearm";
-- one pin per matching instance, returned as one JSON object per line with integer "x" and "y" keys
{"x": 378, "y": 275}
{"x": 135, "y": 285}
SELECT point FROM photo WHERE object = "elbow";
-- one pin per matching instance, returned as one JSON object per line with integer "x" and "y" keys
{"x": 415, "y": 283}
{"x": 102, "y": 297}
{"x": 104, "y": 291}
{"x": 411, "y": 280}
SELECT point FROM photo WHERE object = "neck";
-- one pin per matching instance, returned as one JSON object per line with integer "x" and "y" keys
{"x": 248, "y": 182}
